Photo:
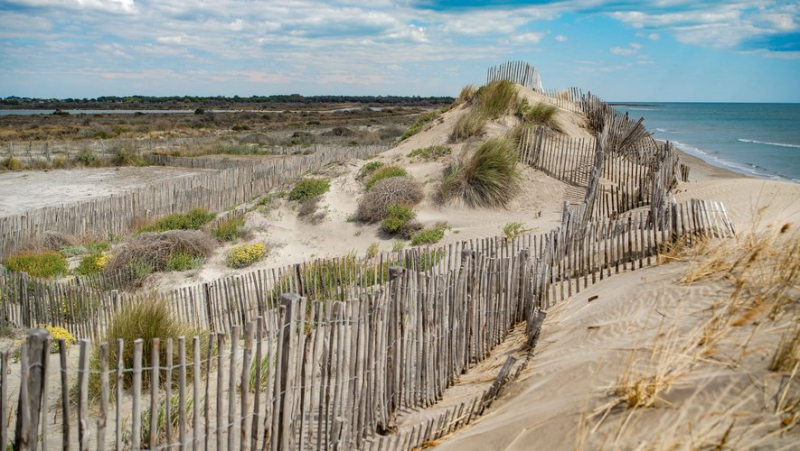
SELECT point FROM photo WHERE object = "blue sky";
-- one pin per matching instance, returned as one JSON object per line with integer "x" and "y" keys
{"x": 663, "y": 50}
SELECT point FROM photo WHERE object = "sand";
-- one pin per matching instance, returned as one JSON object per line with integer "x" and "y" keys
{"x": 28, "y": 190}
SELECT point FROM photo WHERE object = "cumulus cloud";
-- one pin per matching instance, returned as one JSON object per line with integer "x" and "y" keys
{"x": 561, "y": 38}
{"x": 527, "y": 38}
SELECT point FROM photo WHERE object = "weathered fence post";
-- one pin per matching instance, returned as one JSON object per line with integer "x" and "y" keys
{"x": 284, "y": 429}
{"x": 37, "y": 351}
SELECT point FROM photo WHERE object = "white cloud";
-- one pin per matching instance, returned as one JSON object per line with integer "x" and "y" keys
{"x": 653, "y": 36}
{"x": 527, "y": 38}
{"x": 625, "y": 51}
{"x": 635, "y": 45}
{"x": 561, "y": 38}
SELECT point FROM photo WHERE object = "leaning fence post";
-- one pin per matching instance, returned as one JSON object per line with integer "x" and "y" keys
{"x": 284, "y": 439}
{"x": 36, "y": 352}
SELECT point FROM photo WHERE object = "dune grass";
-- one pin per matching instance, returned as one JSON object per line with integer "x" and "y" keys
{"x": 542, "y": 113}
{"x": 486, "y": 178}
{"x": 467, "y": 94}
{"x": 431, "y": 152}
{"x": 497, "y": 99}
{"x": 192, "y": 220}
{"x": 421, "y": 121}
{"x": 469, "y": 124}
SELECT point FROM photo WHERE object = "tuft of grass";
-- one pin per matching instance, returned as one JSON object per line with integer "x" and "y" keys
{"x": 487, "y": 178}
{"x": 45, "y": 264}
{"x": 373, "y": 250}
{"x": 423, "y": 119}
{"x": 541, "y": 113}
{"x": 309, "y": 188}
{"x": 160, "y": 430}
{"x": 398, "y": 218}
{"x": 147, "y": 319}
{"x": 398, "y": 246}
{"x": 230, "y": 229}
{"x": 11, "y": 163}
{"x": 124, "y": 157}
{"x": 467, "y": 94}
{"x": 384, "y": 172}
{"x": 368, "y": 169}
{"x": 192, "y": 220}
{"x": 183, "y": 261}
{"x": 428, "y": 236}
{"x": 497, "y": 98}
{"x": 469, "y": 124}
{"x": 514, "y": 229}
{"x": 245, "y": 255}
{"x": 86, "y": 157}
{"x": 787, "y": 354}
{"x": 431, "y": 152}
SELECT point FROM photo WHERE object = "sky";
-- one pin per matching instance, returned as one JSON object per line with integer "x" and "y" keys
{"x": 622, "y": 50}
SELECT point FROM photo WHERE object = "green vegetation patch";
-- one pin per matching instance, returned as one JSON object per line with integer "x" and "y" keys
{"x": 368, "y": 169}
{"x": 192, "y": 220}
{"x": 310, "y": 188}
{"x": 431, "y": 152}
{"x": 245, "y": 255}
{"x": 92, "y": 264}
{"x": 428, "y": 236}
{"x": 397, "y": 218}
{"x": 230, "y": 229}
{"x": 38, "y": 264}
{"x": 423, "y": 119}
{"x": 385, "y": 172}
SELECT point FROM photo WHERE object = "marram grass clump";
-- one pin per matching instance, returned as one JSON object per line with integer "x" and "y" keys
{"x": 486, "y": 178}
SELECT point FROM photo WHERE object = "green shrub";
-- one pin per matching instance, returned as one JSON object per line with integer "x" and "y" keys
{"x": 192, "y": 220}
{"x": 183, "y": 261}
{"x": 397, "y": 218}
{"x": 384, "y": 172}
{"x": 73, "y": 251}
{"x": 489, "y": 177}
{"x": 309, "y": 188}
{"x": 124, "y": 157}
{"x": 92, "y": 264}
{"x": 229, "y": 229}
{"x": 428, "y": 236}
{"x": 97, "y": 246}
{"x": 469, "y": 124}
{"x": 38, "y": 264}
{"x": 86, "y": 157}
{"x": 368, "y": 169}
{"x": 245, "y": 255}
{"x": 431, "y": 152}
{"x": 423, "y": 119}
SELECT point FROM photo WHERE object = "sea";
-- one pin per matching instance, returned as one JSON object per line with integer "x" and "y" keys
{"x": 755, "y": 139}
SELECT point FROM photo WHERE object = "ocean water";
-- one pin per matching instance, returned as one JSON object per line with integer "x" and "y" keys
{"x": 756, "y": 139}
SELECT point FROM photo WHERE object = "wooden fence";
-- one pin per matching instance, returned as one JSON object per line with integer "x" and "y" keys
{"x": 518, "y": 72}
{"x": 327, "y": 374}
{"x": 118, "y": 214}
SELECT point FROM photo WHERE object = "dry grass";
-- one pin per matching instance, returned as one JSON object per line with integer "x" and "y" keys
{"x": 469, "y": 124}
{"x": 155, "y": 249}
{"x": 787, "y": 354}
{"x": 374, "y": 206}
{"x": 467, "y": 94}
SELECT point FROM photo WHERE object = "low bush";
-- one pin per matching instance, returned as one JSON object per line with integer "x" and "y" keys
{"x": 151, "y": 252}
{"x": 368, "y": 169}
{"x": 423, "y": 119}
{"x": 125, "y": 157}
{"x": 431, "y": 152}
{"x": 428, "y": 236}
{"x": 487, "y": 178}
{"x": 38, "y": 264}
{"x": 92, "y": 264}
{"x": 12, "y": 164}
{"x": 86, "y": 157}
{"x": 309, "y": 188}
{"x": 245, "y": 255}
{"x": 397, "y": 219}
{"x": 384, "y": 172}
{"x": 374, "y": 205}
{"x": 229, "y": 229}
{"x": 192, "y": 220}
{"x": 57, "y": 333}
